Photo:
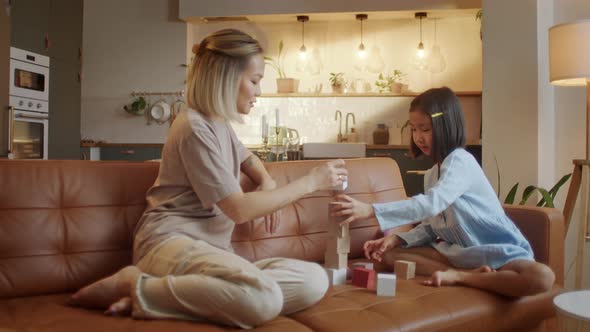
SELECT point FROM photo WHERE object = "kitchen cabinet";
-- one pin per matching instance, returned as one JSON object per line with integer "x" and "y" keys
{"x": 413, "y": 181}
{"x": 120, "y": 151}
{"x": 130, "y": 153}
{"x": 49, "y": 27}
{"x": 54, "y": 28}
{"x": 64, "y": 110}
{"x": 4, "y": 77}
{"x": 30, "y": 25}
{"x": 65, "y": 30}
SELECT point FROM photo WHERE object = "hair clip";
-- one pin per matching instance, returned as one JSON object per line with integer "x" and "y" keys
{"x": 434, "y": 115}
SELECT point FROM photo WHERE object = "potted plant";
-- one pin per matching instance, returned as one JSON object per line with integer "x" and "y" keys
{"x": 137, "y": 107}
{"x": 390, "y": 83}
{"x": 338, "y": 83}
{"x": 284, "y": 83}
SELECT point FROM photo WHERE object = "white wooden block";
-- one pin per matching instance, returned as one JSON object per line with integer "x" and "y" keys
{"x": 341, "y": 187}
{"x": 336, "y": 276}
{"x": 386, "y": 284}
{"x": 365, "y": 265}
{"x": 334, "y": 260}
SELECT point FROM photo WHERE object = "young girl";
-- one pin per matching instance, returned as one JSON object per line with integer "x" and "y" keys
{"x": 461, "y": 217}
{"x": 184, "y": 267}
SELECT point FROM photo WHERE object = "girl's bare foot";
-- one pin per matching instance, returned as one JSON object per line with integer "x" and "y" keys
{"x": 452, "y": 277}
{"x": 103, "y": 293}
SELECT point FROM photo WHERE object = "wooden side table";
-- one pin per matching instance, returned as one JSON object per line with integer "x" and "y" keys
{"x": 573, "y": 311}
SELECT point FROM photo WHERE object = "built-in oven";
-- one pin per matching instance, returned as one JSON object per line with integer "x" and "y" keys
{"x": 29, "y": 105}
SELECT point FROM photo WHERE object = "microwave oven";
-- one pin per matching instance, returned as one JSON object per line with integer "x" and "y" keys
{"x": 29, "y": 75}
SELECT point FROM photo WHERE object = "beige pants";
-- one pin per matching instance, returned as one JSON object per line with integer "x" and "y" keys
{"x": 188, "y": 279}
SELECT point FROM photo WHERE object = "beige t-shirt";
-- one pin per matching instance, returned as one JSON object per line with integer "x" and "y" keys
{"x": 200, "y": 166}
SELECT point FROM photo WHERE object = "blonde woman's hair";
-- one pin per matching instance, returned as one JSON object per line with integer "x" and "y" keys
{"x": 214, "y": 77}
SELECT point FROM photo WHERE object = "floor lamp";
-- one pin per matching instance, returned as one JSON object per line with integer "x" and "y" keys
{"x": 569, "y": 65}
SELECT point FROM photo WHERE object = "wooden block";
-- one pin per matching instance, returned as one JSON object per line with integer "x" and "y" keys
{"x": 362, "y": 277}
{"x": 336, "y": 276}
{"x": 338, "y": 245}
{"x": 404, "y": 269}
{"x": 386, "y": 284}
{"x": 335, "y": 230}
{"x": 366, "y": 265}
{"x": 341, "y": 188}
{"x": 334, "y": 260}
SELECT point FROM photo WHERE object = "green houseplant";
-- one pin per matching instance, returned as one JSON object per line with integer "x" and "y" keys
{"x": 547, "y": 196}
{"x": 390, "y": 83}
{"x": 284, "y": 83}
{"x": 338, "y": 82}
{"x": 137, "y": 107}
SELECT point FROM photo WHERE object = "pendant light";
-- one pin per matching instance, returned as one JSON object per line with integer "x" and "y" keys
{"x": 302, "y": 49}
{"x": 361, "y": 51}
{"x": 436, "y": 61}
{"x": 420, "y": 52}
{"x": 419, "y": 59}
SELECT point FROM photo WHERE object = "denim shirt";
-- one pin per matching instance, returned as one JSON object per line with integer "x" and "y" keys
{"x": 460, "y": 208}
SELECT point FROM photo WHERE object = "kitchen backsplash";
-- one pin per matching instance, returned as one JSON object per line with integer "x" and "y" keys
{"x": 314, "y": 118}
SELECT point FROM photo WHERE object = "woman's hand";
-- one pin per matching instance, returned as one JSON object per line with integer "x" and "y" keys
{"x": 271, "y": 221}
{"x": 329, "y": 175}
{"x": 374, "y": 249}
{"x": 351, "y": 209}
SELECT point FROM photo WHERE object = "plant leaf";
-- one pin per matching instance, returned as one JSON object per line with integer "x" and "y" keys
{"x": 498, "y": 169}
{"x": 553, "y": 191}
{"x": 511, "y": 194}
{"x": 548, "y": 200}
{"x": 528, "y": 191}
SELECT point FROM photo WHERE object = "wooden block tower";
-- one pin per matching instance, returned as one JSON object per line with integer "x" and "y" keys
{"x": 338, "y": 242}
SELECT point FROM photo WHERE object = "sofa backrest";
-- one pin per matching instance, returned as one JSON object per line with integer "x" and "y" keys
{"x": 64, "y": 224}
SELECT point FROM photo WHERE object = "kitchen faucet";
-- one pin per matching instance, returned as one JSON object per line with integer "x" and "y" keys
{"x": 338, "y": 116}
{"x": 353, "y": 122}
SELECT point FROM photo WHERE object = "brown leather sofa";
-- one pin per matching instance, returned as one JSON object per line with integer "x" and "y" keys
{"x": 64, "y": 224}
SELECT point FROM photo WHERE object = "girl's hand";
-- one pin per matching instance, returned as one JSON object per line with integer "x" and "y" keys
{"x": 271, "y": 221}
{"x": 327, "y": 176}
{"x": 374, "y": 249}
{"x": 352, "y": 209}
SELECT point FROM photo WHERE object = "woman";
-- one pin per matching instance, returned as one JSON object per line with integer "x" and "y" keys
{"x": 184, "y": 265}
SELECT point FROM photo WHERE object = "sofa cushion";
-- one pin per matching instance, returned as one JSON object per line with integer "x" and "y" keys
{"x": 50, "y": 313}
{"x": 64, "y": 224}
{"x": 345, "y": 308}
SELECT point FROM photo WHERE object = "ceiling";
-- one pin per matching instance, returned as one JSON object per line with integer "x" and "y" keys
{"x": 332, "y": 17}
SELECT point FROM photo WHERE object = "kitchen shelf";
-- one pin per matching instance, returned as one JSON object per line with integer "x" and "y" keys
{"x": 370, "y": 94}
{"x": 120, "y": 145}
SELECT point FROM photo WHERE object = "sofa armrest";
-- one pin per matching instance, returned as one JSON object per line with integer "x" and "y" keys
{"x": 544, "y": 228}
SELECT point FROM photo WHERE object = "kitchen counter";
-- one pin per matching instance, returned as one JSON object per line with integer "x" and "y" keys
{"x": 249, "y": 146}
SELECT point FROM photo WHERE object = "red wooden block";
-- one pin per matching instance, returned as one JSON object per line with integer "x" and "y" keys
{"x": 362, "y": 277}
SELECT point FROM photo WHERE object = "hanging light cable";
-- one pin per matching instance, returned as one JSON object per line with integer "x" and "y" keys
{"x": 302, "y": 49}
{"x": 361, "y": 52}
{"x": 420, "y": 53}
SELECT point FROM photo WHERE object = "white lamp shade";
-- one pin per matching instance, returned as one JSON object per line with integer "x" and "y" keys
{"x": 569, "y": 53}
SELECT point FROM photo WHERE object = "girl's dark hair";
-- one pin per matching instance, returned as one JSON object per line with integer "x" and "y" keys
{"x": 448, "y": 131}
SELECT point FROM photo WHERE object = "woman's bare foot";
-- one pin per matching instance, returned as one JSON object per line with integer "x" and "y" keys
{"x": 452, "y": 276}
{"x": 103, "y": 293}
{"x": 121, "y": 307}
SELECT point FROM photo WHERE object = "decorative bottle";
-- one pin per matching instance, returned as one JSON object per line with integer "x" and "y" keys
{"x": 381, "y": 135}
